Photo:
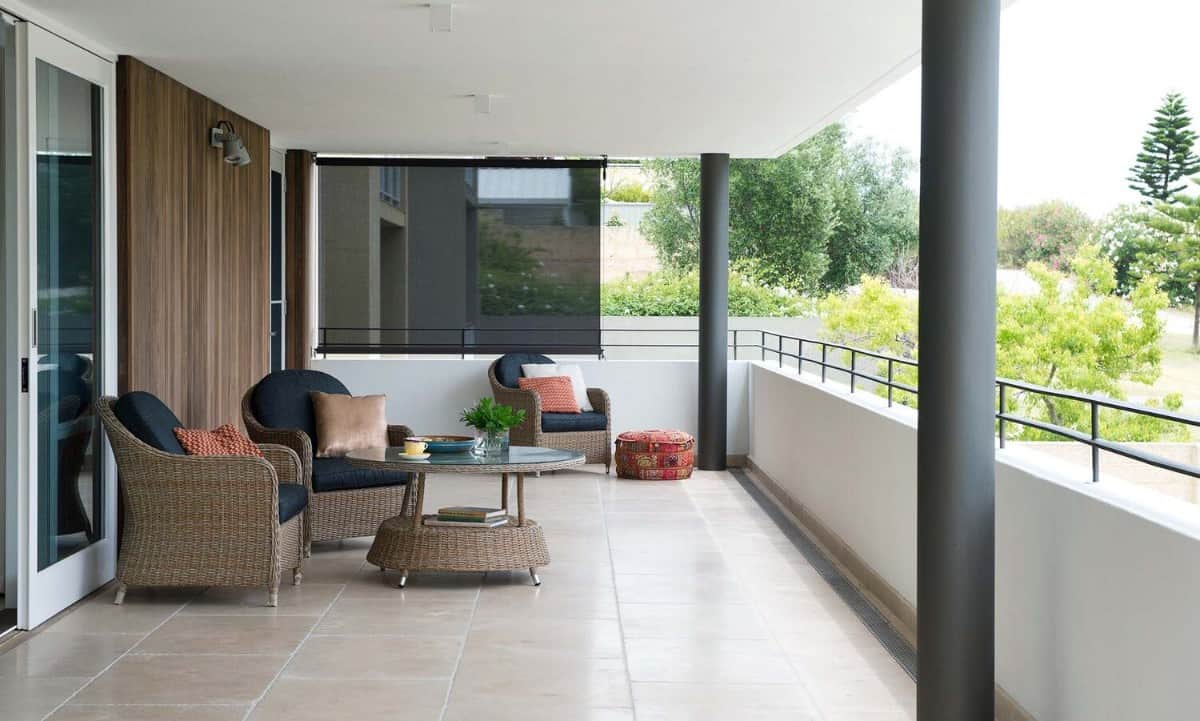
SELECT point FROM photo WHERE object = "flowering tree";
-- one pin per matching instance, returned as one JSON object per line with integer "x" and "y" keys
{"x": 1048, "y": 232}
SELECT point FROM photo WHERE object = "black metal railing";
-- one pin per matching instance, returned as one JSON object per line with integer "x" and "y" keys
{"x": 822, "y": 357}
{"x": 1092, "y": 438}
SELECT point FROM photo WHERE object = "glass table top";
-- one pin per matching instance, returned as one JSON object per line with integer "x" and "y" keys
{"x": 514, "y": 456}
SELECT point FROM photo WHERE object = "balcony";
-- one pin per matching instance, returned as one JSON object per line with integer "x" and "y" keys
{"x": 783, "y": 588}
{"x": 182, "y": 151}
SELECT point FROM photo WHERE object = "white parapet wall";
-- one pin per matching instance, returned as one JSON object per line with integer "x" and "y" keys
{"x": 428, "y": 393}
{"x": 1097, "y": 585}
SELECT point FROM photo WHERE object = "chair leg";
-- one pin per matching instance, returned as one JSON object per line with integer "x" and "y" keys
{"x": 273, "y": 596}
{"x": 297, "y": 576}
{"x": 120, "y": 597}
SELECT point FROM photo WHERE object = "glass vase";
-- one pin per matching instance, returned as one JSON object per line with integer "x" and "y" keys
{"x": 491, "y": 443}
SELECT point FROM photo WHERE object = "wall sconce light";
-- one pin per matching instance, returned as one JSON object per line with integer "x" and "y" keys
{"x": 233, "y": 149}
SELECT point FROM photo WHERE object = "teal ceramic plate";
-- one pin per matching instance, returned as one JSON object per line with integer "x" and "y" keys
{"x": 446, "y": 444}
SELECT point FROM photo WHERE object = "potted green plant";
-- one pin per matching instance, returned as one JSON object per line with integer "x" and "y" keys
{"x": 491, "y": 421}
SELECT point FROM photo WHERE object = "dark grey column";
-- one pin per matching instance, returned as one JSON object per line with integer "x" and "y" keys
{"x": 955, "y": 453}
{"x": 714, "y": 309}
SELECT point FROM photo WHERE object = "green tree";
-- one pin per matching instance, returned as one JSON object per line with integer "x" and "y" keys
{"x": 1177, "y": 260}
{"x": 814, "y": 218}
{"x": 1048, "y": 232}
{"x": 1072, "y": 334}
{"x": 1125, "y": 237}
{"x": 1166, "y": 156}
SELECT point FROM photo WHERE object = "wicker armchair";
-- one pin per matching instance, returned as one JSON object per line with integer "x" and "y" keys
{"x": 204, "y": 520}
{"x": 361, "y": 499}
{"x": 549, "y": 430}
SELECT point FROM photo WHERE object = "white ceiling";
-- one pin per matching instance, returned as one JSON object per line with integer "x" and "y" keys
{"x": 571, "y": 77}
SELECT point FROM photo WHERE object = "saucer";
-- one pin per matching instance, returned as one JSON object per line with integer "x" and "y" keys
{"x": 415, "y": 456}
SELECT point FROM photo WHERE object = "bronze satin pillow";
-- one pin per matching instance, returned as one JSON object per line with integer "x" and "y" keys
{"x": 348, "y": 423}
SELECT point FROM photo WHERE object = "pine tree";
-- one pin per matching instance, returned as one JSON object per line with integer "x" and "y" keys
{"x": 1178, "y": 260}
{"x": 1166, "y": 155}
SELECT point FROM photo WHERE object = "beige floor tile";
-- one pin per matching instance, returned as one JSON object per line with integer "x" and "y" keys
{"x": 570, "y": 575}
{"x": 545, "y": 601}
{"x": 349, "y": 548}
{"x": 30, "y": 699}
{"x": 721, "y": 617}
{"x": 309, "y": 599}
{"x": 328, "y": 700}
{"x": 474, "y": 708}
{"x": 272, "y": 635}
{"x": 137, "y": 615}
{"x": 870, "y": 715}
{"x": 704, "y": 660}
{"x": 375, "y": 658}
{"x": 596, "y": 682}
{"x": 183, "y": 680}
{"x": 406, "y": 614}
{"x": 680, "y": 588}
{"x": 584, "y": 638}
{"x": 149, "y": 713}
{"x": 706, "y": 620}
{"x": 65, "y": 654}
{"x": 331, "y": 570}
{"x": 861, "y": 688}
{"x": 721, "y": 702}
{"x": 655, "y": 561}
{"x": 445, "y": 587}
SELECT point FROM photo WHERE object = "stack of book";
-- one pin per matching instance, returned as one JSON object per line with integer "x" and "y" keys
{"x": 468, "y": 516}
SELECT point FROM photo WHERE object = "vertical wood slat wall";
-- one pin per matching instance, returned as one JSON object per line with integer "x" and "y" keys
{"x": 298, "y": 282}
{"x": 193, "y": 248}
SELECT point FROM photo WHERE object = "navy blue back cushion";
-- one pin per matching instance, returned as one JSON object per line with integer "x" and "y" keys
{"x": 508, "y": 368}
{"x": 282, "y": 400}
{"x": 149, "y": 419}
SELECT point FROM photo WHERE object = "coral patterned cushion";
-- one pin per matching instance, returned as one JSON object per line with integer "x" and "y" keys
{"x": 556, "y": 392}
{"x": 223, "y": 440}
{"x": 655, "y": 455}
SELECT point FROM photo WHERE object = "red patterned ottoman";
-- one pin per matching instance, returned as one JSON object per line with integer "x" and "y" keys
{"x": 655, "y": 455}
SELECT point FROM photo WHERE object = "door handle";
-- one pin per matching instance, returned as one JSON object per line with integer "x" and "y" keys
{"x": 24, "y": 375}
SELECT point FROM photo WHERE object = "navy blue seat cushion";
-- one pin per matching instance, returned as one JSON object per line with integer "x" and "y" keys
{"x": 571, "y": 422}
{"x": 338, "y": 474}
{"x": 293, "y": 497}
{"x": 508, "y": 368}
{"x": 149, "y": 419}
{"x": 282, "y": 400}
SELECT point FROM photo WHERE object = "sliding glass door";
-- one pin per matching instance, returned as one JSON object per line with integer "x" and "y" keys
{"x": 68, "y": 334}
{"x": 10, "y": 354}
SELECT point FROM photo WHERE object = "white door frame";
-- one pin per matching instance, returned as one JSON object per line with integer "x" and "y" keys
{"x": 45, "y": 593}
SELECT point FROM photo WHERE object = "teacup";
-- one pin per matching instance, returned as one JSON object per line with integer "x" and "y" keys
{"x": 413, "y": 447}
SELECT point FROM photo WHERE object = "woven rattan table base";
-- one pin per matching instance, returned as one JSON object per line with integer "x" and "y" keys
{"x": 400, "y": 546}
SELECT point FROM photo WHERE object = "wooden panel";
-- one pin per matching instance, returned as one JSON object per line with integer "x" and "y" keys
{"x": 298, "y": 281}
{"x": 194, "y": 312}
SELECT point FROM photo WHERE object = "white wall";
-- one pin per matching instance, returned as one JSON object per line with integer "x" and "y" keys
{"x": 1097, "y": 585}
{"x": 427, "y": 394}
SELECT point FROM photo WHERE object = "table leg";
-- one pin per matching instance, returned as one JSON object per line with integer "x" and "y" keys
{"x": 420, "y": 509}
{"x": 504, "y": 492}
{"x": 520, "y": 499}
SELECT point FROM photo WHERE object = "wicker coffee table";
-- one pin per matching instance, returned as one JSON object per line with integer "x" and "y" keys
{"x": 405, "y": 543}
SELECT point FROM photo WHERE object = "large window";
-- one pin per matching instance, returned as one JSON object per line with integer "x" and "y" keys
{"x": 440, "y": 256}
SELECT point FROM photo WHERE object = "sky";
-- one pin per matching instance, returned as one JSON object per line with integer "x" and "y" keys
{"x": 1079, "y": 83}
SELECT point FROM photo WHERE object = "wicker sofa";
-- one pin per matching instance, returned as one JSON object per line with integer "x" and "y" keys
{"x": 347, "y": 501}
{"x": 201, "y": 520}
{"x": 588, "y": 433}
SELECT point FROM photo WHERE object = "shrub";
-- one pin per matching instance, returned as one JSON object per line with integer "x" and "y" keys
{"x": 678, "y": 294}
{"x": 628, "y": 192}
